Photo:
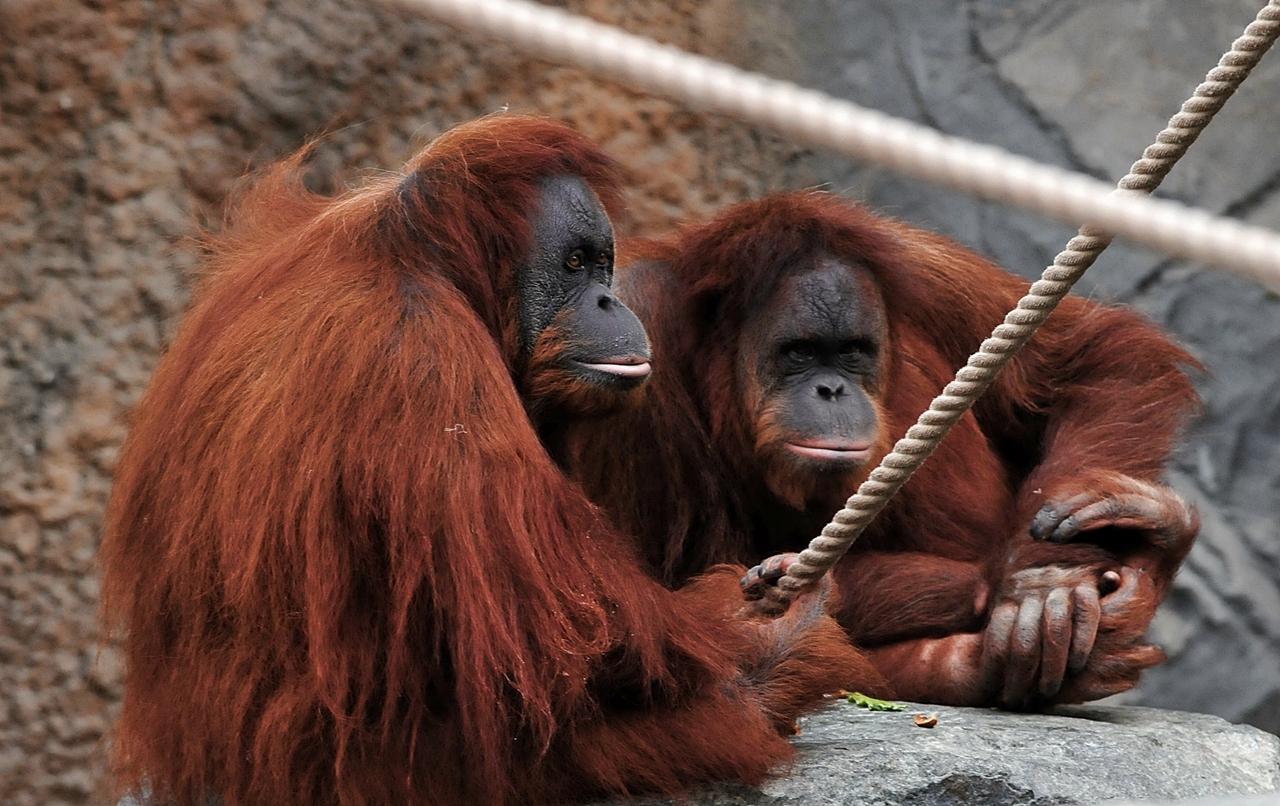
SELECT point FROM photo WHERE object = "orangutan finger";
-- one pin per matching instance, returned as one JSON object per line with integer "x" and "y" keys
{"x": 1024, "y": 654}
{"x": 1047, "y": 524}
{"x": 772, "y": 568}
{"x": 1116, "y": 603}
{"x": 1084, "y": 628}
{"x": 753, "y": 585}
{"x": 1169, "y": 522}
{"x": 1132, "y": 511}
{"x": 1109, "y": 583}
{"x": 767, "y": 573}
{"x": 995, "y": 647}
{"x": 1056, "y": 633}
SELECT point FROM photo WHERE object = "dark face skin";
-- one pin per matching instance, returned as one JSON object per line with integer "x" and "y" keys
{"x": 813, "y": 364}
{"x": 565, "y": 289}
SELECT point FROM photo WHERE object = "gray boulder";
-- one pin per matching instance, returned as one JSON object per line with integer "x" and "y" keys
{"x": 1264, "y": 799}
{"x": 1076, "y": 754}
{"x": 976, "y": 757}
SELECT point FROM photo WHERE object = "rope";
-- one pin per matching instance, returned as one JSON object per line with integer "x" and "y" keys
{"x": 817, "y": 120}
{"x": 1033, "y": 309}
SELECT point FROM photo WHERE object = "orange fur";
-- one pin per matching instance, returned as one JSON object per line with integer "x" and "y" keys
{"x": 348, "y": 569}
{"x": 1098, "y": 388}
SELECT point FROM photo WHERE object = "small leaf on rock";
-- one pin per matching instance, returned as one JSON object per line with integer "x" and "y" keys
{"x": 871, "y": 703}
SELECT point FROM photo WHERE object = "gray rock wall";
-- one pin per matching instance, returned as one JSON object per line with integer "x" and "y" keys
{"x": 1086, "y": 84}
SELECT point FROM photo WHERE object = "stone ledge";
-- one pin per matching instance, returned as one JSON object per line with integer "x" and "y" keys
{"x": 1073, "y": 755}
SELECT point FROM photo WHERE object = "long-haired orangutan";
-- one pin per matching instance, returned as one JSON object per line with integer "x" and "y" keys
{"x": 350, "y": 571}
{"x": 796, "y": 339}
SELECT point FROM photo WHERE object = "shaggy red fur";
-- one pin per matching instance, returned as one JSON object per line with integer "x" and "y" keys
{"x": 348, "y": 569}
{"x": 1087, "y": 413}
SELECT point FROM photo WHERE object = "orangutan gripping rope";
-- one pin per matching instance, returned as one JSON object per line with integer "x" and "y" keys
{"x": 796, "y": 338}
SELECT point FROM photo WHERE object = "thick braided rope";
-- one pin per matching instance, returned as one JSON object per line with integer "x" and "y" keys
{"x": 1033, "y": 309}
{"x": 815, "y": 119}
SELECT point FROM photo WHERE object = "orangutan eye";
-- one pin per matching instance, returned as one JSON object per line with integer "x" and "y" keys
{"x": 858, "y": 348}
{"x": 798, "y": 352}
{"x": 576, "y": 259}
{"x": 604, "y": 259}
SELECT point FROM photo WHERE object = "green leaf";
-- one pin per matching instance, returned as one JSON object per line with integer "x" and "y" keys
{"x": 871, "y": 703}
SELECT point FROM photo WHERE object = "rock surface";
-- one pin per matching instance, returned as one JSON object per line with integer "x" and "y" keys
{"x": 1266, "y": 799}
{"x": 973, "y": 757}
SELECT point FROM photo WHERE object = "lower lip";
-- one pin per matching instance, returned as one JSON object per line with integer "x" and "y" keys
{"x": 637, "y": 370}
{"x": 829, "y": 453}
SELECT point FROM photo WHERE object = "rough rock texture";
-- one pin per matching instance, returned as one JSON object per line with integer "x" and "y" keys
{"x": 1086, "y": 84}
{"x": 1266, "y": 799}
{"x": 123, "y": 124}
{"x": 975, "y": 757}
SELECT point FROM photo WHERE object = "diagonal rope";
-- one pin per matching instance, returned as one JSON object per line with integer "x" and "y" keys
{"x": 817, "y": 120}
{"x": 1033, "y": 309}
